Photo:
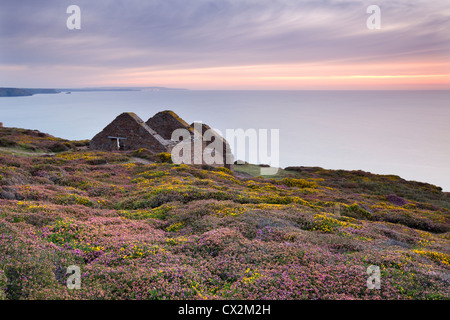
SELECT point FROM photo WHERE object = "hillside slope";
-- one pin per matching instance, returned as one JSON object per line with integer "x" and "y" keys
{"x": 166, "y": 231}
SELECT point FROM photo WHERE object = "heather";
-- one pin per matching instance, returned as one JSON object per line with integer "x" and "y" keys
{"x": 140, "y": 227}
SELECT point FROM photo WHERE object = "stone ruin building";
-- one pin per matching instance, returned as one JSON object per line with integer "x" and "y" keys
{"x": 129, "y": 132}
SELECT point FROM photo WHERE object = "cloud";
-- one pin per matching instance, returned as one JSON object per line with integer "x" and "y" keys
{"x": 179, "y": 34}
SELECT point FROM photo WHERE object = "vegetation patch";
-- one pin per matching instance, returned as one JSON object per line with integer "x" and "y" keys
{"x": 157, "y": 230}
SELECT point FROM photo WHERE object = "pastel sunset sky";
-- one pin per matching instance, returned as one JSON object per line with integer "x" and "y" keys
{"x": 226, "y": 44}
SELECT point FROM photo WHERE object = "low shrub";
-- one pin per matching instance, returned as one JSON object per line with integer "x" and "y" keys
{"x": 165, "y": 157}
{"x": 58, "y": 147}
{"x": 6, "y": 143}
{"x": 355, "y": 211}
{"x": 298, "y": 183}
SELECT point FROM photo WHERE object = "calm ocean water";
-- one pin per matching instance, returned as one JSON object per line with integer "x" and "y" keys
{"x": 406, "y": 133}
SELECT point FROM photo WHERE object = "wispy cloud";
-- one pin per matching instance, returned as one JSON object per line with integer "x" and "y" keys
{"x": 189, "y": 35}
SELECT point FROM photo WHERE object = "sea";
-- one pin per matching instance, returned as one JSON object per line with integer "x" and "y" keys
{"x": 405, "y": 133}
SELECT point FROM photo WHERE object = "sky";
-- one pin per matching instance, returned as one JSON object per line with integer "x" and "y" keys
{"x": 226, "y": 44}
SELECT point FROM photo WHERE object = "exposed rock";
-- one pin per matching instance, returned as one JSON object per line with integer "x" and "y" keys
{"x": 8, "y": 193}
{"x": 393, "y": 242}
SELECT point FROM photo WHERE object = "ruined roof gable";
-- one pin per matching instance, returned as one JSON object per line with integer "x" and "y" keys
{"x": 129, "y": 126}
{"x": 165, "y": 122}
{"x": 144, "y": 126}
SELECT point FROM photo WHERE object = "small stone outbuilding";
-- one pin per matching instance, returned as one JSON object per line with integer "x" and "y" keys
{"x": 129, "y": 132}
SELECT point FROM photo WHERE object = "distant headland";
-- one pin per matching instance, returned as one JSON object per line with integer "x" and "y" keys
{"x": 23, "y": 92}
{"x": 19, "y": 92}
